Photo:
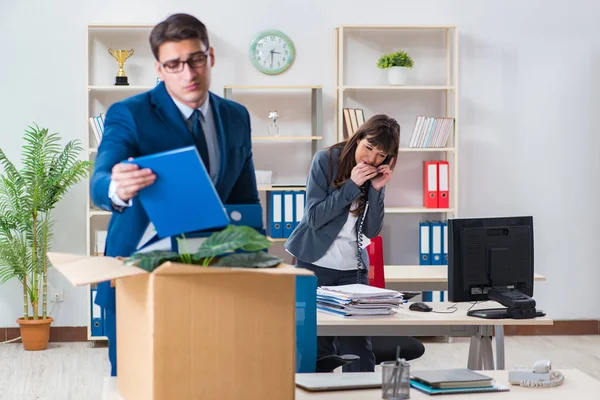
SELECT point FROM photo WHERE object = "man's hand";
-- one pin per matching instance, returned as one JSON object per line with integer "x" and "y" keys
{"x": 130, "y": 179}
{"x": 385, "y": 174}
{"x": 362, "y": 172}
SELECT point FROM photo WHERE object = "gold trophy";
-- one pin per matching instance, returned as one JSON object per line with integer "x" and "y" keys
{"x": 121, "y": 56}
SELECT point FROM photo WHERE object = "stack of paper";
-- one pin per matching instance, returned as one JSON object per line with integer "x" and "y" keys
{"x": 358, "y": 300}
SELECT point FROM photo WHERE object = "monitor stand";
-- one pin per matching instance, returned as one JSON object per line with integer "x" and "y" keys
{"x": 518, "y": 306}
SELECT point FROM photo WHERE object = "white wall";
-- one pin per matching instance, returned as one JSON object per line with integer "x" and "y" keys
{"x": 528, "y": 94}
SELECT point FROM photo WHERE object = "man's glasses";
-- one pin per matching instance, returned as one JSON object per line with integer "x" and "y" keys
{"x": 196, "y": 61}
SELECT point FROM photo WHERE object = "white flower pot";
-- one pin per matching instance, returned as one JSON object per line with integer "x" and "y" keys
{"x": 397, "y": 75}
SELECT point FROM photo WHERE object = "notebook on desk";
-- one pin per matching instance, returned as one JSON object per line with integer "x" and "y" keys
{"x": 334, "y": 381}
{"x": 453, "y": 380}
{"x": 422, "y": 387}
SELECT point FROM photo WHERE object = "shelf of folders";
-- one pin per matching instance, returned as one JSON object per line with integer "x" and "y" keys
{"x": 433, "y": 248}
{"x": 97, "y": 124}
{"x": 285, "y": 209}
{"x": 431, "y": 132}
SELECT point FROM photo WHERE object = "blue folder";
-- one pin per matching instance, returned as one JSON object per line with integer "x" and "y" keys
{"x": 306, "y": 323}
{"x": 182, "y": 198}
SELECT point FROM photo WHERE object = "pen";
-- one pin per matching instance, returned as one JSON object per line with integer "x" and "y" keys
{"x": 397, "y": 374}
{"x": 394, "y": 378}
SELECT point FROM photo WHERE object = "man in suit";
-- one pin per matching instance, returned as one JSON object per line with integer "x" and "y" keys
{"x": 180, "y": 111}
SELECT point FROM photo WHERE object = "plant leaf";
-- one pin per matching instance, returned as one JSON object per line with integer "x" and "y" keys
{"x": 151, "y": 260}
{"x": 249, "y": 260}
{"x": 222, "y": 242}
{"x": 256, "y": 241}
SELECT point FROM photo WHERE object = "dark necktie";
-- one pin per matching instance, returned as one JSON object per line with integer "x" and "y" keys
{"x": 198, "y": 133}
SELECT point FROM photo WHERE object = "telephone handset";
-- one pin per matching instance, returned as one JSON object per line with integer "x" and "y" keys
{"x": 385, "y": 162}
{"x": 542, "y": 376}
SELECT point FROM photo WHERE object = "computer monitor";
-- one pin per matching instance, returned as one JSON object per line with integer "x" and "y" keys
{"x": 492, "y": 259}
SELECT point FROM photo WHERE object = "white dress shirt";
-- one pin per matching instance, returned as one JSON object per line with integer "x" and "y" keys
{"x": 212, "y": 143}
{"x": 343, "y": 252}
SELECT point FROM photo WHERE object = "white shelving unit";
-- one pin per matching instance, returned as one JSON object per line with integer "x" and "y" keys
{"x": 431, "y": 90}
{"x": 316, "y": 118}
{"x": 101, "y": 69}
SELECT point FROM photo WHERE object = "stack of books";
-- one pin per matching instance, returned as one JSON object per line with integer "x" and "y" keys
{"x": 454, "y": 380}
{"x": 358, "y": 300}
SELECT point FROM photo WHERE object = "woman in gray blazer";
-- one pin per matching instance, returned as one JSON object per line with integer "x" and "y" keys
{"x": 344, "y": 209}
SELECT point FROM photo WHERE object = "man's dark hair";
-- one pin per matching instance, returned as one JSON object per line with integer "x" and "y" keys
{"x": 176, "y": 28}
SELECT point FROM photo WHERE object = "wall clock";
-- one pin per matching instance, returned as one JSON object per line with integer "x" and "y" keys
{"x": 272, "y": 52}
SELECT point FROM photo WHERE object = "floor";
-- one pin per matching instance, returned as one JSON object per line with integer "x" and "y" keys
{"x": 74, "y": 371}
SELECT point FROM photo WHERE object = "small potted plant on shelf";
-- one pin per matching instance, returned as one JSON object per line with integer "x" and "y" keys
{"x": 27, "y": 198}
{"x": 397, "y": 64}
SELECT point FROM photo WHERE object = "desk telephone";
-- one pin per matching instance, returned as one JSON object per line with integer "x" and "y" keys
{"x": 542, "y": 376}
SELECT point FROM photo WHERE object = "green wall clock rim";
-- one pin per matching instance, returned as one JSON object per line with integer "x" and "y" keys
{"x": 268, "y": 32}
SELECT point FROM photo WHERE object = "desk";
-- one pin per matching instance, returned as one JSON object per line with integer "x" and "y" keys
{"x": 577, "y": 385}
{"x": 435, "y": 277}
{"x": 414, "y": 323}
{"x": 424, "y": 277}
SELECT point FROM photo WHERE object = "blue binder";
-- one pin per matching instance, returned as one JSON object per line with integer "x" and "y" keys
{"x": 435, "y": 251}
{"x": 96, "y": 315}
{"x": 444, "y": 251}
{"x": 424, "y": 243}
{"x": 306, "y": 323}
{"x": 436, "y": 243}
{"x": 299, "y": 205}
{"x": 183, "y": 197}
{"x": 240, "y": 214}
{"x": 425, "y": 251}
{"x": 275, "y": 214}
{"x": 245, "y": 215}
{"x": 289, "y": 211}
{"x": 445, "y": 243}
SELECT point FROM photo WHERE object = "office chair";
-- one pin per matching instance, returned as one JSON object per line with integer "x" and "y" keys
{"x": 384, "y": 347}
{"x": 330, "y": 363}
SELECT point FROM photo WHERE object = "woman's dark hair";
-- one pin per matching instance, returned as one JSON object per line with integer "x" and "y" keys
{"x": 176, "y": 28}
{"x": 381, "y": 132}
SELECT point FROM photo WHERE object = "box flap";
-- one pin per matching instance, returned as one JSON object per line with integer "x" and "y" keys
{"x": 171, "y": 268}
{"x": 83, "y": 270}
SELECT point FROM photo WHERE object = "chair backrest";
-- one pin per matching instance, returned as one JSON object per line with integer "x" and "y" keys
{"x": 376, "y": 270}
{"x": 306, "y": 323}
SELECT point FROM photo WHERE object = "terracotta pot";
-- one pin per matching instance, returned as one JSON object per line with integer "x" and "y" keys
{"x": 35, "y": 334}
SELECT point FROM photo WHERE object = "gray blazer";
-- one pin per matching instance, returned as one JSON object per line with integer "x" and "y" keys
{"x": 326, "y": 211}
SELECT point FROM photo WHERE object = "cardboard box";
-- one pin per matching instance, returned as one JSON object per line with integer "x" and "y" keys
{"x": 190, "y": 332}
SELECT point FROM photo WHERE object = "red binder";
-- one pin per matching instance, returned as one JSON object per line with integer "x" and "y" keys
{"x": 443, "y": 184}
{"x": 430, "y": 184}
{"x": 376, "y": 271}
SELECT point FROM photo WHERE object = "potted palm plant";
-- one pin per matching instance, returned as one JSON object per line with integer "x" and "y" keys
{"x": 397, "y": 64}
{"x": 27, "y": 198}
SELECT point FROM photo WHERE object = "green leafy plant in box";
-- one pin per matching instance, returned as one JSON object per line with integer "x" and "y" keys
{"x": 234, "y": 246}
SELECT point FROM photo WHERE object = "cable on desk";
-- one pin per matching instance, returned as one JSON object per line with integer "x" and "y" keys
{"x": 452, "y": 307}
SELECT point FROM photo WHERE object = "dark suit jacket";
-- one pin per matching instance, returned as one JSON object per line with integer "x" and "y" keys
{"x": 148, "y": 123}
{"x": 327, "y": 209}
